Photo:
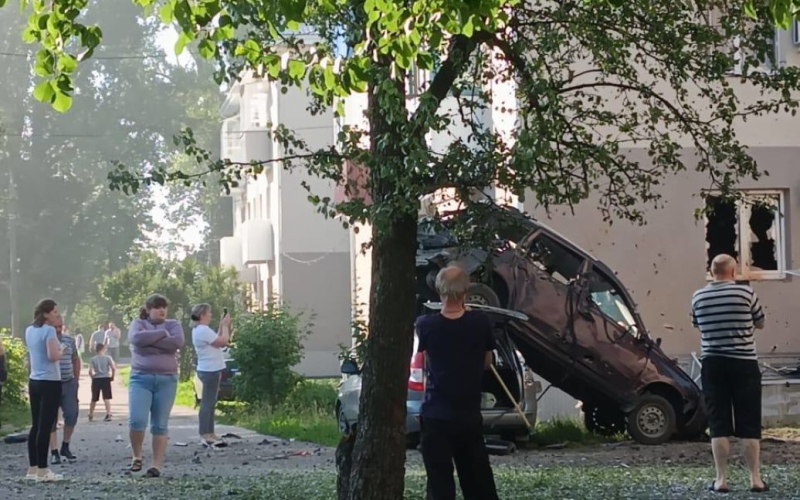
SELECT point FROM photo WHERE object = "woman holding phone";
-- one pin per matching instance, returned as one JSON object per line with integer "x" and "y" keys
{"x": 44, "y": 387}
{"x": 210, "y": 363}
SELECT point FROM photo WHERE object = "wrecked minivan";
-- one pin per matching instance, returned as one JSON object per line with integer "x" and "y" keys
{"x": 583, "y": 333}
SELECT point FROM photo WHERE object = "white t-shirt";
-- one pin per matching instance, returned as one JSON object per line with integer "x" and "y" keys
{"x": 209, "y": 358}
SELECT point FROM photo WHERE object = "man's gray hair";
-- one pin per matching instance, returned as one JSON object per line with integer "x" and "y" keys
{"x": 722, "y": 264}
{"x": 452, "y": 283}
{"x": 197, "y": 312}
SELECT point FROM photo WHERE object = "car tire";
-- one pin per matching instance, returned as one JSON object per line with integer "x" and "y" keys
{"x": 343, "y": 424}
{"x": 652, "y": 420}
{"x": 478, "y": 293}
{"x": 603, "y": 420}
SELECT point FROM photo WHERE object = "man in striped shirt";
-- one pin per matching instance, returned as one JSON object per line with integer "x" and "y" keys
{"x": 727, "y": 313}
{"x": 70, "y": 365}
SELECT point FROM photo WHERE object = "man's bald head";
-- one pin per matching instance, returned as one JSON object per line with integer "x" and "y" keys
{"x": 723, "y": 267}
{"x": 452, "y": 283}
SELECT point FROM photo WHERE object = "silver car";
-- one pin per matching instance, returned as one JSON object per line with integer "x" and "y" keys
{"x": 500, "y": 416}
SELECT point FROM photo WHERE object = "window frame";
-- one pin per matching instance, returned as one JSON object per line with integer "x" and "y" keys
{"x": 257, "y": 107}
{"x": 743, "y": 214}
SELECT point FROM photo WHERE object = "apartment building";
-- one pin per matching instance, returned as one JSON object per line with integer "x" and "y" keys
{"x": 282, "y": 248}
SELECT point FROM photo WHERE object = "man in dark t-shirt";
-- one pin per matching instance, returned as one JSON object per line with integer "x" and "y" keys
{"x": 458, "y": 347}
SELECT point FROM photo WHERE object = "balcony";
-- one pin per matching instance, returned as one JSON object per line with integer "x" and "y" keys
{"x": 257, "y": 242}
{"x": 230, "y": 255}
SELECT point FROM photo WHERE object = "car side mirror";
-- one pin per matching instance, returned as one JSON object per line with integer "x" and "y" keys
{"x": 350, "y": 367}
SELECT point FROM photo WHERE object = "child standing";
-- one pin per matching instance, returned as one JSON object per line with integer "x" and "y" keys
{"x": 102, "y": 370}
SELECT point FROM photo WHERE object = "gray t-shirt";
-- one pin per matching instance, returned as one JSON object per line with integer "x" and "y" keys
{"x": 101, "y": 366}
{"x": 111, "y": 338}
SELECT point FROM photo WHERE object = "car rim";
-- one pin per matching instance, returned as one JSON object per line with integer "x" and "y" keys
{"x": 478, "y": 299}
{"x": 652, "y": 421}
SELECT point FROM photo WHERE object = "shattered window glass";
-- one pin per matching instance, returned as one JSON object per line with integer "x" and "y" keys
{"x": 554, "y": 259}
{"x": 763, "y": 235}
{"x": 749, "y": 229}
{"x": 721, "y": 228}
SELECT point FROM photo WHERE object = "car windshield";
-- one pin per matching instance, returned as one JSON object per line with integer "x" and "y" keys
{"x": 611, "y": 302}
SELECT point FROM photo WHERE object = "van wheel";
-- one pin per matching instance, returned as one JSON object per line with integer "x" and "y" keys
{"x": 481, "y": 294}
{"x": 652, "y": 420}
{"x": 603, "y": 421}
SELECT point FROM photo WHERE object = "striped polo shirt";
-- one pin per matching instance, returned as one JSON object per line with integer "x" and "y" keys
{"x": 65, "y": 361}
{"x": 726, "y": 313}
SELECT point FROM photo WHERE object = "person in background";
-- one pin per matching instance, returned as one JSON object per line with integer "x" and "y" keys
{"x": 155, "y": 341}
{"x": 70, "y": 367}
{"x": 44, "y": 387}
{"x": 727, "y": 314}
{"x": 208, "y": 345}
{"x": 102, "y": 370}
{"x": 98, "y": 337}
{"x": 80, "y": 345}
{"x": 111, "y": 340}
{"x": 458, "y": 347}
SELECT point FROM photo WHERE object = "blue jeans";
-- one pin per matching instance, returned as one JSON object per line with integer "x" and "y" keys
{"x": 151, "y": 396}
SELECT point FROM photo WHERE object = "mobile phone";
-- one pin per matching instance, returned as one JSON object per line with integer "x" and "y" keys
{"x": 225, "y": 311}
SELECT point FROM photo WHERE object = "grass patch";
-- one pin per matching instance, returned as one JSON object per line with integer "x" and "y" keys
{"x": 13, "y": 416}
{"x": 592, "y": 483}
{"x": 184, "y": 396}
{"x": 306, "y": 415}
{"x": 570, "y": 431}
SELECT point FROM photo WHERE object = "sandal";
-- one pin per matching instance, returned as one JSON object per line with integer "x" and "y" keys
{"x": 763, "y": 489}
{"x": 49, "y": 477}
{"x": 152, "y": 472}
{"x": 713, "y": 489}
{"x": 136, "y": 465}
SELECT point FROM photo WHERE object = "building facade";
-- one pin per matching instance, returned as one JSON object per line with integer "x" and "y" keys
{"x": 283, "y": 249}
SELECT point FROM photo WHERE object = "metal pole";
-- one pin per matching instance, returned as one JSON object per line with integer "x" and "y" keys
{"x": 12, "y": 251}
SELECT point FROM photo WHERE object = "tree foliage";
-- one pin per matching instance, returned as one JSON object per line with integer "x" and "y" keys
{"x": 185, "y": 283}
{"x": 588, "y": 82}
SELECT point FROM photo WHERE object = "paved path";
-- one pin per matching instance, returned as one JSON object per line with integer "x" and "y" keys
{"x": 104, "y": 453}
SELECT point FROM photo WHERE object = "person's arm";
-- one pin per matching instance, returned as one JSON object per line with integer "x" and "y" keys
{"x": 54, "y": 347}
{"x": 91, "y": 370}
{"x": 113, "y": 369}
{"x": 223, "y": 338}
{"x": 141, "y": 337}
{"x": 173, "y": 340}
{"x": 759, "y": 318}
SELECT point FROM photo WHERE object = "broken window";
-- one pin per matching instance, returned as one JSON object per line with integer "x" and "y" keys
{"x": 750, "y": 229}
{"x": 555, "y": 259}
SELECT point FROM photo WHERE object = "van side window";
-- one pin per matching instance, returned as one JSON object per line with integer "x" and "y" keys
{"x": 607, "y": 297}
{"x": 554, "y": 259}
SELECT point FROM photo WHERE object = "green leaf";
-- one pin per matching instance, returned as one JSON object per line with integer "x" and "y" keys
{"x": 62, "y": 103}
{"x": 750, "y": 10}
{"x": 67, "y": 64}
{"x": 207, "y": 48}
{"x": 167, "y": 12}
{"x": 296, "y": 68}
{"x": 30, "y": 35}
{"x": 44, "y": 91}
{"x": 181, "y": 43}
{"x": 469, "y": 27}
{"x": 2, "y": 3}
{"x": 293, "y": 25}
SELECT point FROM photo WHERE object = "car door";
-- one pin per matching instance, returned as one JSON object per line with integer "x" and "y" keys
{"x": 609, "y": 335}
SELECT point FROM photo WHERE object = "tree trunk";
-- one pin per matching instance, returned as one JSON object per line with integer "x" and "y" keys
{"x": 378, "y": 460}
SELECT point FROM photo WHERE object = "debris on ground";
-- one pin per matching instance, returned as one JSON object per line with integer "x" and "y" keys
{"x": 182, "y": 445}
{"x": 15, "y": 438}
{"x": 557, "y": 446}
{"x": 231, "y": 435}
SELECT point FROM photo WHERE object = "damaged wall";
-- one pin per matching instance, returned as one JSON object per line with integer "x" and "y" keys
{"x": 664, "y": 262}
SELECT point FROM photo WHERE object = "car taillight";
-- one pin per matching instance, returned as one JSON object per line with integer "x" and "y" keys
{"x": 416, "y": 376}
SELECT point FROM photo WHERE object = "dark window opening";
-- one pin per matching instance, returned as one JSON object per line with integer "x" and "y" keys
{"x": 722, "y": 217}
{"x": 763, "y": 248}
{"x": 554, "y": 259}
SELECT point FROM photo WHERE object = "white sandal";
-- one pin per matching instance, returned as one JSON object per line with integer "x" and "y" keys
{"x": 49, "y": 477}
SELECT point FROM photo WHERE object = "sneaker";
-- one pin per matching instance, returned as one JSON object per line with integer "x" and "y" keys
{"x": 108, "y": 418}
{"x": 66, "y": 453}
{"x": 91, "y": 417}
{"x": 49, "y": 477}
{"x": 55, "y": 458}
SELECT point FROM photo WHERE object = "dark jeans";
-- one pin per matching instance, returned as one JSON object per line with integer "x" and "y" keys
{"x": 445, "y": 442}
{"x": 45, "y": 396}
{"x": 208, "y": 401}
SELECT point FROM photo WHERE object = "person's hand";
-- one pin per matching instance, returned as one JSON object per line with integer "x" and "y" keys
{"x": 225, "y": 321}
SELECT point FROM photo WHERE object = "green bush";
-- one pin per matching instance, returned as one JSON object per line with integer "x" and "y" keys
{"x": 266, "y": 346}
{"x": 313, "y": 395}
{"x": 16, "y": 354}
